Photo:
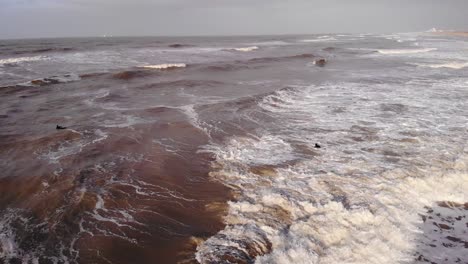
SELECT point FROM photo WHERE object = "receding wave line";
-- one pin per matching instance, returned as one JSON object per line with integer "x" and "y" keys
{"x": 404, "y": 51}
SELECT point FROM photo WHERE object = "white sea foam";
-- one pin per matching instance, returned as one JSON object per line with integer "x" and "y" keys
{"x": 54, "y": 153}
{"x": 389, "y": 223}
{"x": 13, "y": 224}
{"x": 450, "y": 65}
{"x": 122, "y": 120}
{"x": 191, "y": 114}
{"x": 165, "y": 66}
{"x": 21, "y": 59}
{"x": 404, "y": 51}
{"x": 268, "y": 150}
{"x": 329, "y": 218}
{"x": 247, "y": 49}
{"x": 8, "y": 246}
{"x": 361, "y": 199}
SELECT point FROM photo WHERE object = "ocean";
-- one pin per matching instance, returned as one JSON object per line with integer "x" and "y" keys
{"x": 235, "y": 149}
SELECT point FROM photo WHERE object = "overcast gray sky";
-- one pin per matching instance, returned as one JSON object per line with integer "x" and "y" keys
{"x": 60, "y": 18}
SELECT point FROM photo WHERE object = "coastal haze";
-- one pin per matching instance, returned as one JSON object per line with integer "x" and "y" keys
{"x": 292, "y": 148}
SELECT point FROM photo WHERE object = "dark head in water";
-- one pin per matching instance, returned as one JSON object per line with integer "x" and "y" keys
{"x": 320, "y": 62}
{"x": 317, "y": 145}
{"x": 60, "y": 127}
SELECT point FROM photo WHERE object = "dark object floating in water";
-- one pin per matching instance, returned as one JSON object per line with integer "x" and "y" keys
{"x": 320, "y": 62}
{"x": 329, "y": 49}
{"x": 317, "y": 145}
{"x": 177, "y": 45}
{"x": 60, "y": 127}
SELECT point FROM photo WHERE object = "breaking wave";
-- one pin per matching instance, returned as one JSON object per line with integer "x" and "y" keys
{"x": 20, "y": 60}
{"x": 246, "y": 49}
{"x": 165, "y": 66}
{"x": 144, "y": 71}
{"x": 404, "y": 51}
{"x": 450, "y": 65}
{"x": 367, "y": 196}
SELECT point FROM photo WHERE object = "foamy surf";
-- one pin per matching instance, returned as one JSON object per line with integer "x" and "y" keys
{"x": 246, "y": 49}
{"x": 404, "y": 51}
{"x": 356, "y": 200}
{"x": 165, "y": 66}
{"x": 20, "y": 60}
{"x": 449, "y": 65}
{"x": 293, "y": 216}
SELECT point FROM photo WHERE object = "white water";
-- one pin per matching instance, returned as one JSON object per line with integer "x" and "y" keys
{"x": 165, "y": 66}
{"x": 450, "y": 65}
{"x": 247, "y": 49}
{"x": 404, "y": 51}
{"x": 388, "y": 153}
{"x": 20, "y": 59}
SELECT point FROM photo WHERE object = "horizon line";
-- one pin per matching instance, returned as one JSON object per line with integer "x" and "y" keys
{"x": 202, "y": 35}
{"x": 432, "y": 30}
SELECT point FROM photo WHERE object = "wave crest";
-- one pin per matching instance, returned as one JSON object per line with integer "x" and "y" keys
{"x": 404, "y": 51}
{"x": 450, "y": 65}
{"x": 20, "y": 59}
{"x": 246, "y": 49}
{"x": 165, "y": 66}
